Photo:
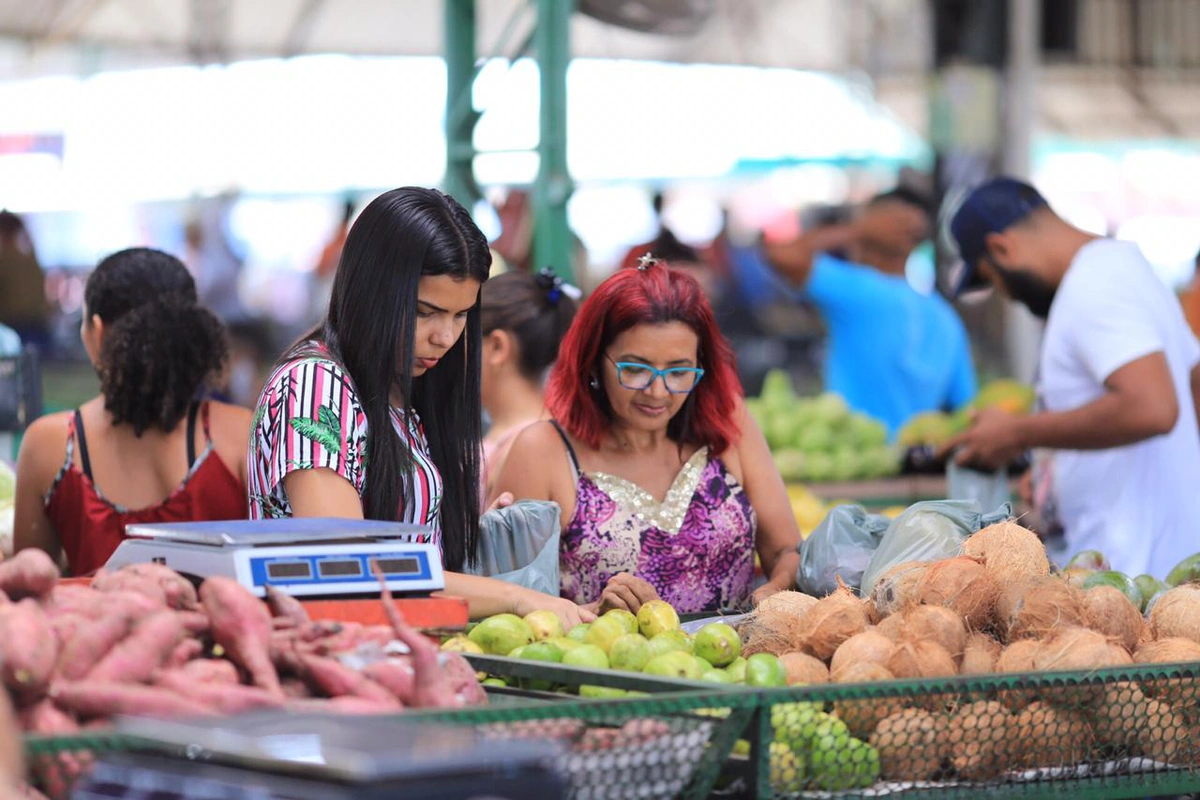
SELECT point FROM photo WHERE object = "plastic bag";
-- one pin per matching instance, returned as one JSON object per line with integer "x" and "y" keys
{"x": 519, "y": 544}
{"x": 929, "y": 531}
{"x": 988, "y": 489}
{"x": 841, "y": 546}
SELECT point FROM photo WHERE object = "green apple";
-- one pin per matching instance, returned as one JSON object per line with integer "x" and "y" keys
{"x": 656, "y": 617}
{"x": 545, "y": 624}
{"x": 629, "y": 652}
{"x": 718, "y": 643}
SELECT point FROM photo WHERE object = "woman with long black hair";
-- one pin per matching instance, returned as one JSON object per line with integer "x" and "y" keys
{"x": 376, "y": 414}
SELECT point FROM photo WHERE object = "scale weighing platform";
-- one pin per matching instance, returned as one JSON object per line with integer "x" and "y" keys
{"x": 307, "y": 558}
{"x": 280, "y": 756}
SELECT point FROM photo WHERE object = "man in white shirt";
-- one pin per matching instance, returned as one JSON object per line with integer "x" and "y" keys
{"x": 1119, "y": 378}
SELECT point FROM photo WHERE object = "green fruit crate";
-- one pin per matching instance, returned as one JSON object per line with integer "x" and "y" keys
{"x": 1115, "y": 732}
{"x": 671, "y": 739}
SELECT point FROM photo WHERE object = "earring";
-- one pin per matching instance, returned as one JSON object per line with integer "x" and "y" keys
{"x": 595, "y": 384}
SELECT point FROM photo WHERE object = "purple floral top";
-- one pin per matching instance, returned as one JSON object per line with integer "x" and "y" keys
{"x": 696, "y": 548}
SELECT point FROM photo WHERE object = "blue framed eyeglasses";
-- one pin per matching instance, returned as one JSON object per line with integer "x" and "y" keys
{"x": 638, "y": 377}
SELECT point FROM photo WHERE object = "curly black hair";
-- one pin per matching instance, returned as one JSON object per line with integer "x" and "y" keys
{"x": 160, "y": 346}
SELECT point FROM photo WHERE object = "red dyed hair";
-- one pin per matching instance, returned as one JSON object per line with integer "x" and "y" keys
{"x": 653, "y": 296}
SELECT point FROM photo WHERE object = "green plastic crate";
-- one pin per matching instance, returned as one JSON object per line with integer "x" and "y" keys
{"x": 1116, "y": 732}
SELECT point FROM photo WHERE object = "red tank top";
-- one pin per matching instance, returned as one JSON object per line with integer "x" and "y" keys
{"x": 90, "y": 526}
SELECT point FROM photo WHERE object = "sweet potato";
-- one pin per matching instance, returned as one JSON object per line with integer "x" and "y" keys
{"x": 30, "y": 573}
{"x": 90, "y": 699}
{"x": 183, "y": 653}
{"x": 463, "y": 679}
{"x": 135, "y": 659}
{"x": 153, "y": 580}
{"x": 211, "y": 671}
{"x": 284, "y": 605}
{"x": 12, "y": 761}
{"x": 295, "y": 689}
{"x": 339, "y": 705}
{"x": 66, "y": 627}
{"x": 395, "y": 675}
{"x": 194, "y": 622}
{"x": 332, "y": 679}
{"x": 242, "y": 626}
{"x": 28, "y": 649}
{"x": 432, "y": 688}
{"x": 223, "y": 698}
{"x": 91, "y": 644}
{"x": 55, "y": 771}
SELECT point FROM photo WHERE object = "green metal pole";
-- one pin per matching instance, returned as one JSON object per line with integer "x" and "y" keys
{"x": 552, "y": 245}
{"x": 459, "y": 35}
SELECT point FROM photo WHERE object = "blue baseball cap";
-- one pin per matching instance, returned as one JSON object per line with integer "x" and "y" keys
{"x": 992, "y": 207}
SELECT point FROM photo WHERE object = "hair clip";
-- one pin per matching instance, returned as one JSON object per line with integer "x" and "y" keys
{"x": 647, "y": 261}
{"x": 555, "y": 287}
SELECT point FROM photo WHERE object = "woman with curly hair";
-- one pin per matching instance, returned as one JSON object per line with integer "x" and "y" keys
{"x": 145, "y": 450}
{"x": 665, "y": 482}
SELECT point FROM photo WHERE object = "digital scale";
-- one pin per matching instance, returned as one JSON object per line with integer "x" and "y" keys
{"x": 308, "y": 558}
{"x": 276, "y": 755}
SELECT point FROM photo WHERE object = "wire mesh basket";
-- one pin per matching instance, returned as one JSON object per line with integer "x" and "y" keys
{"x": 1115, "y": 732}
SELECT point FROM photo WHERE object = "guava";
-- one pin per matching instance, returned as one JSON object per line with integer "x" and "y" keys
{"x": 1092, "y": 560}
{"x": 716, "y": 676}
{"x": 494, "y": 682}
{"x": 677, "y": 664}
{"x": 737, "y": 670}
{"x": 579, "y": 632}
{"x": 655, "y": 617}
{"x": 670, "y": 641}
{"x": 718, "y": 644}
{"x": 605, "y": 631}
{"x": 588, "y": 656}
{"x": 563, "y": 643}
{"x": 460, "y": 644}
{"x": 601, "y": 692}
{"x": 501, "y": 634}
{"x": 763, "y": 670}
{"x": 542, "y": 651}
{"x": 545, "y": 624}
{"x": 626, "y": 618}
{"x": 629, "y": 652}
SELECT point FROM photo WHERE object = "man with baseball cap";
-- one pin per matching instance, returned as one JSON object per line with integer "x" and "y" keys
{"x": 1118, "y": 381}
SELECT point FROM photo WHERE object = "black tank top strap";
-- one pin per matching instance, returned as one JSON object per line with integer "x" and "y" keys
{"x": 193, "y": 409}
{"x": 81, "y": 437}
{"x": 570, "y": 449}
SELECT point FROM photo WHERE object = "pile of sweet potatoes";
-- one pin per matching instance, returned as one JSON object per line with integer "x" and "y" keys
{"x": 143, "y": 641}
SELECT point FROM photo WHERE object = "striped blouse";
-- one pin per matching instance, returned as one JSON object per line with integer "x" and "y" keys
{"x": 309, "y": 416}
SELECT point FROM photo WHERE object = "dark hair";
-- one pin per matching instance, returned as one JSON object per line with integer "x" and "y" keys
{"x": 160, "y": 346}
{"x": 535, "y": 311}
{"x": 906, "y": 195}
{"x": 400, "y": 237}
{"x": 654, "y": 295}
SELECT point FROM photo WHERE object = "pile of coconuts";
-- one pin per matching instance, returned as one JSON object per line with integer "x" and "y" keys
{"x": 995, "y": 608}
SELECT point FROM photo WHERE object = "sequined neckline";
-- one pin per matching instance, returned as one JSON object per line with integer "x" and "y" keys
{"x": 667, "y": 515}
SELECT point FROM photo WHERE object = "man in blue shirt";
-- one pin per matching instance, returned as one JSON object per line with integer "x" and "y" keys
{"x": 893, "y": 352}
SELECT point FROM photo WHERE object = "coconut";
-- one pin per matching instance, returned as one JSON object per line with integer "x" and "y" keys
{"x": 801, "y": 668}
{"x": 1017, "y": 657}
{"x": 963, "y": 585}
{"x": 1176, "y": 613}
{"x": 920, "y": 659}
{"x": 1080, "y": 649}
{"x": 1052, "y": 737}
{"x": 1010, "y": 552}
{"x": 911, "y": 745}
{"x": 775, "y": 625}
{"x": 937, "y": 624}
{"x": 982, "y": 740}
{"x": 1038, "y": 608}
{"x": 1179, "y": 692}
{"x": 895, "y": 590}
{"x": 861, "y": 715}
{"x": 892, "y": 627}
{"x": 1126, "y": 719}
{"x": 979, "y": 655}
{"x": 868, "y": 647}
{"x": 830, "y": 622}
{"x": 1107, "y": 610}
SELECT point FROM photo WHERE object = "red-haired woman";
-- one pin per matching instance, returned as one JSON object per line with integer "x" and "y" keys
{"x": 665, "y": 482}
